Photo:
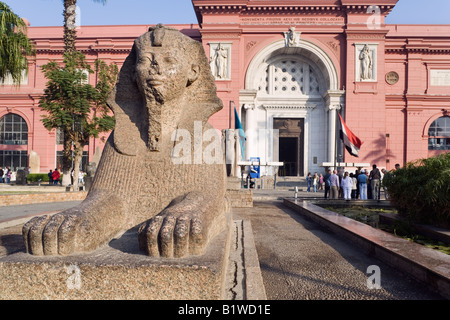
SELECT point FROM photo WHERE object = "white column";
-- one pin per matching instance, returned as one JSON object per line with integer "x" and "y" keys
{"x": 332, "y": 134}
{"x": 334, "y": 100}
{"x": 251, "y": 131}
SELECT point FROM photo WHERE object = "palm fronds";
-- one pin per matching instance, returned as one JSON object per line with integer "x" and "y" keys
{"x": 14, "y": 44}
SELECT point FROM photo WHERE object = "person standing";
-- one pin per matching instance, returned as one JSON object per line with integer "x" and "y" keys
{"x": 50, "y": 177}
{"x": 354, "y": 186}
{"x": 320, "y": 181}
{"x": 334, "y": 185}
{"x": 315, "y": 181}
{"x": 347, "y": 184}
{"x": 56, "y": 175}
{"x": 81, "y": 178}
{"x": 8, "y": 175}
{"x": 362, "y": 181}
{"x": 385, "y": 173}
{"x": 375, "y": 178}
{"x": 326, "y": 179}
{"x": 308, "y": 181}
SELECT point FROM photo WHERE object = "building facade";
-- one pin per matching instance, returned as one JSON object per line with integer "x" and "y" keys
{"x": 288, "y": 67}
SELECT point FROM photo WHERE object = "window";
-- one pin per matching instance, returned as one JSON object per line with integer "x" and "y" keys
{"x": 59, "y": 136}
{"x": 14, "y": 159}
{"x": 13, "y": 130}
{"x": 86, "y": 74}
{"x": 288, "y": 77}
{"x": 439, "y": 134}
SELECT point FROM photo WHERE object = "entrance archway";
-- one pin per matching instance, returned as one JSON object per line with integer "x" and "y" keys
{"x": 299, "y": 83}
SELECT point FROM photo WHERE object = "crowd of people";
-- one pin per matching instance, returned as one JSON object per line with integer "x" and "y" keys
{"x": 55, "y": 178}
{"x": 339, "y": 184}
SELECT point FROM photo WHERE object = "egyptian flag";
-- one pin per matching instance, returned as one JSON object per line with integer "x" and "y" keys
{"x": 241, "y": 133}
{"x": 352, "y": 143}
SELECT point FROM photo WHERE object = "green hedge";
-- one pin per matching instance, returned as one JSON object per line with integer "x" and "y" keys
{"x": 420, "y": 191}
{"x": 34, "y": 177}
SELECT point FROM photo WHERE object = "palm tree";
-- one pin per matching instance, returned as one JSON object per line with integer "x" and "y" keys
{"x": 70, "y": 32}
{"x": 70, "y": 36}
{"x": 14, "y": 44}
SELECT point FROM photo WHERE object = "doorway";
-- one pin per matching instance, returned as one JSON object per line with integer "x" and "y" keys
{"x": 288, "y": 155}
{"x": 290, "y": 145}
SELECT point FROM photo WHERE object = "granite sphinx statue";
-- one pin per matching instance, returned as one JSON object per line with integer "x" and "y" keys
{"x": 164, "y": 84}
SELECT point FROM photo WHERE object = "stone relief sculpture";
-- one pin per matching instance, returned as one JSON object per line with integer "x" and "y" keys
{"x": 366, "y": 67}
{"x": 165, "y": 84}
{"x": 292, "y": 38}
{"x": 220, "y": 61}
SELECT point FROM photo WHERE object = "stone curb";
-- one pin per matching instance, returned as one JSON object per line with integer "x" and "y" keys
{"x": 426, "y": 265}
{"x": 16, "y": 221}
{"x": 254, "y": 286}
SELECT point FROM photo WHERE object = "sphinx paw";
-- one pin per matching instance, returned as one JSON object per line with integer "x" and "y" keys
{"x": 172, "y": 237}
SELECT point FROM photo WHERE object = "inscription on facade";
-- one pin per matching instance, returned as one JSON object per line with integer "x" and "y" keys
{"x": 440, "y": 78}
{"x": 292, "y": 20}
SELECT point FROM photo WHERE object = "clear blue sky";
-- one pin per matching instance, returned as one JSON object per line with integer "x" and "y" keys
{"x": 114, "y": 12}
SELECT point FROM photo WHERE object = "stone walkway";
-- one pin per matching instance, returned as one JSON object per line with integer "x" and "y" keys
{"x": 300, "y": 260}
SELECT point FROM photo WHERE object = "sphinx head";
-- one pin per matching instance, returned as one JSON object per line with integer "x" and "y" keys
{"x": 166, "y": 64}
{"x": 165, "y": 83}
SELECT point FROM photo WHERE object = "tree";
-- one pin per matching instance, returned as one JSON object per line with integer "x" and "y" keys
{"x": 77, "y": 108}
{"x": 14, "y": 45}
{"x": 421, "y": 190}
{"x": 70, "y": 32}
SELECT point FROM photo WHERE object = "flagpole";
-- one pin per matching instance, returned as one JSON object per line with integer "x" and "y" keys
{"x": 335, "y": 140}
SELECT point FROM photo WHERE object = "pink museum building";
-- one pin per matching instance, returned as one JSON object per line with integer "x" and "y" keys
{"x": 285, "y": 65}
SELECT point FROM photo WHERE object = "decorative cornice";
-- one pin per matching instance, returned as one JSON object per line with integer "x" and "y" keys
{"x": 306, "y": 7}
{"x": 265, "y": 8}
{"x": 406, "y": 49}
{"x": 384, "y": 9}
{"x": 220, "y": 35}
{"x": 84, "y": 50}
{"x": 365, "y": 34}
{"x": 309, "y": 106}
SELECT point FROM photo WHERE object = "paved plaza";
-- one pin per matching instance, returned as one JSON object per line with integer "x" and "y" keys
{"x": 299, "y": 259}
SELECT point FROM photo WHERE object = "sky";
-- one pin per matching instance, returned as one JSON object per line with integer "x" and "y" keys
{"x": 120, "y": 12}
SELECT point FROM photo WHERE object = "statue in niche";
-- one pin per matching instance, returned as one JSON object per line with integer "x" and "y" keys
{"x": 292, "y": 38}
{"x": 220, "y": 60}
{"x": 366, "y": 64}
{"x": 165, "y": 84}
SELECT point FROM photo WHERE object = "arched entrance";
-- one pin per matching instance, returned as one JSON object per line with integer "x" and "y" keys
{"x": 289, "y": 107}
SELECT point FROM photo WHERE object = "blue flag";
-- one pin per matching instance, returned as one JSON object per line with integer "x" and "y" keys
{"x": 238, "y": 126}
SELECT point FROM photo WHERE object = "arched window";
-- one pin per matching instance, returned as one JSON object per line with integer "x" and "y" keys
{"x": 289, "y": 77}
{"x": 13, "y": 130}
{"x": 439, "y": 134}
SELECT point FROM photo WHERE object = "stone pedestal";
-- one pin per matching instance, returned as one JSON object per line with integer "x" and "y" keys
{"x": 21, "y": 177}
{"x": 117, "y": 271}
